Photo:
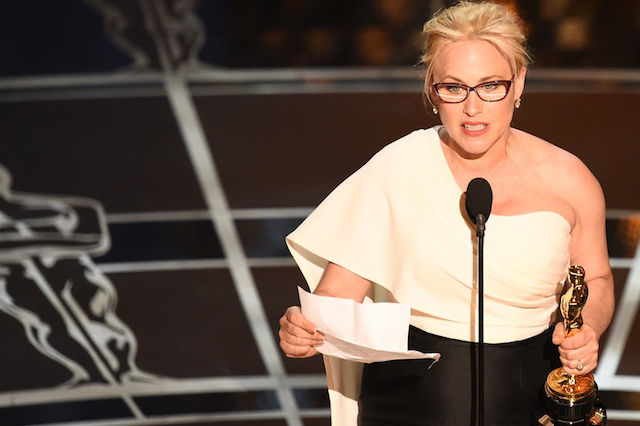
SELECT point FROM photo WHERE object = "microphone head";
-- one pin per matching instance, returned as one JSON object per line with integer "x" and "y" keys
{"x": 479, "y": 198}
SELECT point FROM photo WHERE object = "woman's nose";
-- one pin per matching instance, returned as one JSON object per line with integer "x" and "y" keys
{"x": 473, "y": 104}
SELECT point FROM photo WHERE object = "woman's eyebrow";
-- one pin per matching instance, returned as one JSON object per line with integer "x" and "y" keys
{"x": 493, "y": 77}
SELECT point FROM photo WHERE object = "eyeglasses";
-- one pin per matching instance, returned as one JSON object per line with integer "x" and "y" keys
{"x": 491, "y": 91}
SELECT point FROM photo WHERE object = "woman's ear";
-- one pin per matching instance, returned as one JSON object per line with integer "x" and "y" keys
{"x": 427, "y": 90}
{"x": 429, "y": 93}
{"x": 519, "y": 82}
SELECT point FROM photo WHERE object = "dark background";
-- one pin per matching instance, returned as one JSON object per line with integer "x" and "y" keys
{"x": 290, "y": 97}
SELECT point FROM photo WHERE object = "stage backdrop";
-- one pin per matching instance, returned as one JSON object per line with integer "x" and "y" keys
{"x": 151, "y": 168}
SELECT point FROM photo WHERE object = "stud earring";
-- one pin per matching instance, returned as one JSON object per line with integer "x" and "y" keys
{"x": 518, "y": 103}
{"x": 435, "y": 111}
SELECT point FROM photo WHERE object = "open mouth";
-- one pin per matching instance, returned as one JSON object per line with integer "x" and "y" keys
{"x": 474, "y": 127}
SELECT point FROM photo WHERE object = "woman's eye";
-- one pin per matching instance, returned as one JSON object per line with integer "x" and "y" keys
{"x": 454, "y": 89}
{"x": 489, "y": 87}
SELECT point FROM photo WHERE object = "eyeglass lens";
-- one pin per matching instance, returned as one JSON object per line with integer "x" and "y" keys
{"x": 490, "y": 92}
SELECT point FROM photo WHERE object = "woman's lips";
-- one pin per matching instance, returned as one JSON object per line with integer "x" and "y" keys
{"x": 474, "y": 129}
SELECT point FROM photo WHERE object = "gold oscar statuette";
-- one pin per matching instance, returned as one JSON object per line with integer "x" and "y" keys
{"x": 572, "y": 400}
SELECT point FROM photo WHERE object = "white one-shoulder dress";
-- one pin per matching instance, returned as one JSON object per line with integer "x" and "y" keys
{"x": 398, "y": 222}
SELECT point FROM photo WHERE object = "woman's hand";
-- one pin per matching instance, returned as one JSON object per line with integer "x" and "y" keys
{"x": 298, "y": 335}
{"x": 579, "y": 349}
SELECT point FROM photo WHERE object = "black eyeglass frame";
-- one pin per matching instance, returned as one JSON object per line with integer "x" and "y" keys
{"x": 469, "y": 89}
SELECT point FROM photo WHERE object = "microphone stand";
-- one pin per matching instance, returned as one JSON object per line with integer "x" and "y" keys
{"x": 480, "y": 227}
{"x": 478, "y": 203}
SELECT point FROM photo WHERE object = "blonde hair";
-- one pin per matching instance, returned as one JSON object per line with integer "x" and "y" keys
{"x": 474, "y": 21}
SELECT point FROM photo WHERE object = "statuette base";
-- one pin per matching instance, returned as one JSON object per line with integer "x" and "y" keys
{"x": 572, "y": 400}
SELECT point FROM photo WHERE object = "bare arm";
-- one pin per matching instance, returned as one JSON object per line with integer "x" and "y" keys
{"x": 588, "y": 249}
{"x": 340, "y": 282}
{"x": 298, "y": 335}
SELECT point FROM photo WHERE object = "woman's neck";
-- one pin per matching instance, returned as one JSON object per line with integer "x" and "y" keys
{"x": 465, "y": 166}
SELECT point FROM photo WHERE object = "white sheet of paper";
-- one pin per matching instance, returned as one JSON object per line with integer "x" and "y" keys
{"x": 368, "y": 332}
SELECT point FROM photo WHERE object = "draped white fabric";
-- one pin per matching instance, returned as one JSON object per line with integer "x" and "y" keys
{"x": 397, "y": 222}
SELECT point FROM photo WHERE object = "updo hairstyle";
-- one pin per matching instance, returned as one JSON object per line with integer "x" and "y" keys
{"x": 474, "y": 21}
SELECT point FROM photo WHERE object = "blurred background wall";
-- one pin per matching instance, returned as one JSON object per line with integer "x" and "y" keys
{"x": 156, "y": 152}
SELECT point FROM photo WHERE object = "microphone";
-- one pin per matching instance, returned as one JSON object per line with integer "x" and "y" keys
{"x": 478, "y": 203}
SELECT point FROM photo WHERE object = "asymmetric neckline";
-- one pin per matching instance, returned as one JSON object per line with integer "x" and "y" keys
{"x": 455, "y": 188}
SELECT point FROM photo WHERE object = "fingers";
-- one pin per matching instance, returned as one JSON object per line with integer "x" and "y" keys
{"x": 298, "y": 329}
{"x": 298, "y": 335}
{"x": 578, "y": 350}
{"x": 293, "y": 315}
{"x": 584, "y": 337}
{"x": 558, "y": 334}
{"x": 295, "y": 350}
{"x": 572, "y": 366}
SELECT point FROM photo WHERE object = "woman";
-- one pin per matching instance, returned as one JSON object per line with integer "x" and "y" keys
{"x": 394, "y": 231}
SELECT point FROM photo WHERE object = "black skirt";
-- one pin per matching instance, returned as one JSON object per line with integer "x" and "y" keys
{"x": 406, "y": 392}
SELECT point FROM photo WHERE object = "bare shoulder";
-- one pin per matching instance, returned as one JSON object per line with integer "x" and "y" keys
{"x": 561, "y": 173}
